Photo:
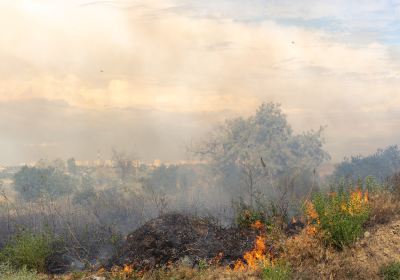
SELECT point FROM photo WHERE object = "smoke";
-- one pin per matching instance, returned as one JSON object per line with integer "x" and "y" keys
{"x": 135, "y": 74}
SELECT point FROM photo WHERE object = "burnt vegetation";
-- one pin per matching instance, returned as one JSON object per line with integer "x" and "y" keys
{"x": 253, "y": 205}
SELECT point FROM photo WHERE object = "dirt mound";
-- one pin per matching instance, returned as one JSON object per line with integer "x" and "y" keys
{"x": 176, "y": 237}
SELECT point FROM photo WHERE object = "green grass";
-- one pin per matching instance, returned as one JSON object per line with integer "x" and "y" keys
{"x": 7, "y": 272}
{"x": 27, "y": 250}
{"x": 390, "y": 271}
{"x": 277, "y": 272}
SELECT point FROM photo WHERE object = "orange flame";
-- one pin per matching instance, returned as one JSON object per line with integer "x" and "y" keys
{"x": 257, "y": 256}
{"x": 258, "y": 225}
{"x": 123, "y": 273}
{"x": 128, "y": 269}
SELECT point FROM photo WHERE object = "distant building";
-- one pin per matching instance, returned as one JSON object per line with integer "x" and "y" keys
{"x": 157, "y": 163}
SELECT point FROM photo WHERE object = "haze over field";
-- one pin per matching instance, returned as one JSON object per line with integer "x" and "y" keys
{"x": 149, "y": 76}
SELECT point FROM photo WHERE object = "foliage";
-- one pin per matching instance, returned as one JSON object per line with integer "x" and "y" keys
{"x": 7, "y": 272}
{"x": 123, "y": 165}
{"x": 270, "y": 212}
{"x": 72, "y": 167}
{"x": 246, "y": 215}
{"x": 252, "y": 154}
{"x": 84, "y": 195}
{"x": 338, "y": 216}
{"x": 277, "y": 272}
{"x": 390, "y": 271}
{"x": 381, "y": 165}
{"x": 27, "y": 250}
{"x": 203, "y": 264}
{"x": 33, "y": 183}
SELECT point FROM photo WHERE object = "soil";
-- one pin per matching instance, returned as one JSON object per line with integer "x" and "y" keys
{"x": 378, "y": 247}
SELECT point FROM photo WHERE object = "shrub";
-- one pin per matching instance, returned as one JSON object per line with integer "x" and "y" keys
{"x": 339, "y": 217}
{"x": 390, "y": 271}
{"x": 7, "y": 272}
{"x": 247, "y": 217}
{"x": 27, "y": 250}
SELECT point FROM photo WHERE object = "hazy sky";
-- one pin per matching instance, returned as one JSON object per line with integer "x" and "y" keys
{"x": 147, "y": 76}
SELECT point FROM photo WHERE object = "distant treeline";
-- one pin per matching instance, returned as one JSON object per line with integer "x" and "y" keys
{"x": 380, "y": 165}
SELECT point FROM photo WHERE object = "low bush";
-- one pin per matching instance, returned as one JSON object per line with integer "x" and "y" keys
{"x": 390, "y": 271}
{"x": 339, "y": 217}
{"x": 28, "y": 250}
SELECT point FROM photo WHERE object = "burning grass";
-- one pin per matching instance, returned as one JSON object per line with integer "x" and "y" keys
{"x": 264, "y": 257}
{"x": 175, "y": 246}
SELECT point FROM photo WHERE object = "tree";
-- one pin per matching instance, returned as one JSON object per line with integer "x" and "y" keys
{"x": 33, "y": 183}
{"x": 122, "y": 164}
{"x": 258, "y": 152}
{"x": 71, "y": 164}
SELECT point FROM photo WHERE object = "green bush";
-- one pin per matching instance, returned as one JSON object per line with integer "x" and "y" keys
{"x": 248, "y": 217}
{"x": 338, "y": 216}
{"x": 277, "y": 272}
{"x": 28, "y": 250}
{"x": 203, "y": 264}
{"x": 390, "y": 271}
{"x": 7, "y": 272}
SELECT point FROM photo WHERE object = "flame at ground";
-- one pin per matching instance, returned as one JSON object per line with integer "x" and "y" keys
{"x": 123, "y": 273}
{"x": 256, "y": 257}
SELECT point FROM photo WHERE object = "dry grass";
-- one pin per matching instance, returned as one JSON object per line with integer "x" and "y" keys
{"x": 177, "y": 272}
{"x": 385, "y": 207}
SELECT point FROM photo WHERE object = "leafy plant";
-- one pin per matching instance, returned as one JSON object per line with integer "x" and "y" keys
{"x": 203, "y": 264}
{"x": 339, "y": 217}
{"x": 27, "y": 250}
{"x": 247, "y": 217}
{"x": 390, "y": 271}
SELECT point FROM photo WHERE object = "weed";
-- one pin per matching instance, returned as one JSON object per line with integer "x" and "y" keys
{"x": 390, "y": 271}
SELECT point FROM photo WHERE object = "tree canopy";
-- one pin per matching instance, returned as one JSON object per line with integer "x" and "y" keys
{"x": 260, "y": 150}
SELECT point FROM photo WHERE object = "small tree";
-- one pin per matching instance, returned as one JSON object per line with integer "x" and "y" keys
{"x": 123, "y": 165}
{"x": 33, "y": 183}
{"x": 71, "y": 164}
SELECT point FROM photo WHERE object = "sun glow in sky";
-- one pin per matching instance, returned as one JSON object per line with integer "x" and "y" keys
{"x": 147, "y": 76}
